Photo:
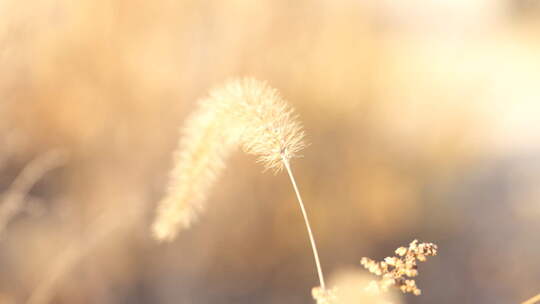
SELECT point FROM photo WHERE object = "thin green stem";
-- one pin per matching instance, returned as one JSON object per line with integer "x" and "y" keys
{"x": 306, "y": 220}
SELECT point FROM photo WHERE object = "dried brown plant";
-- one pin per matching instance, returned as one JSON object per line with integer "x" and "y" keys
{"x": 395, "y": 271}
{"x": 399, "y": 270}
{"x": 245, "y": 113}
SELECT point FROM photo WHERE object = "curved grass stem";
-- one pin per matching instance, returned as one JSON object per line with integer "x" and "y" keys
{"x": 306, "y": 220}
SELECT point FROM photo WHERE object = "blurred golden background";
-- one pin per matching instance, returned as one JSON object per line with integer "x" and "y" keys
{"x": 422, "y": 118}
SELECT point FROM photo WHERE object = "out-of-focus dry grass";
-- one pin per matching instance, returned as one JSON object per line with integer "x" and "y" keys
{"x": 422, "y": 119}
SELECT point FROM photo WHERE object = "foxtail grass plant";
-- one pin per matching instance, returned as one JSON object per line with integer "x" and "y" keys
{"x": 250, "y": 114}
{"x": 246, "y": 113}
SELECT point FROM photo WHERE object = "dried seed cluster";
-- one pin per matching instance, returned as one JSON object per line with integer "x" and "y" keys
{"x": 244, "y": 112}
{"x": 398, "y": 270}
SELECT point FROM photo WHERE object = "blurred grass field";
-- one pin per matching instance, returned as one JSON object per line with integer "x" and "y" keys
{"x": 422, "y": 119}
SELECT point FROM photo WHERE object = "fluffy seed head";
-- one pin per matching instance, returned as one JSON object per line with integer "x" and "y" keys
{"x": 245, "y": 113}
{"x": 263, "y": 122}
